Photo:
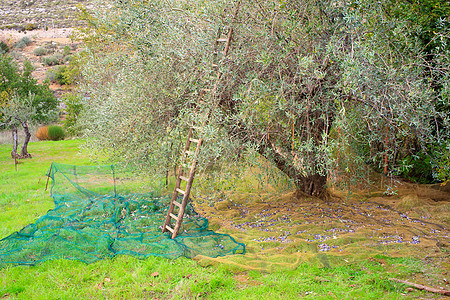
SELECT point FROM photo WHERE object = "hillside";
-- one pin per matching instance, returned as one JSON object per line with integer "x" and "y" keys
{"x": 34, "y": 14}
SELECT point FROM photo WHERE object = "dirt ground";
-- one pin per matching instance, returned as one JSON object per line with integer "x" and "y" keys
{"x": 59, "y": 36}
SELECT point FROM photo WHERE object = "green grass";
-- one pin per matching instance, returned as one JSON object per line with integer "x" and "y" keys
{"x": 23, "y": 199}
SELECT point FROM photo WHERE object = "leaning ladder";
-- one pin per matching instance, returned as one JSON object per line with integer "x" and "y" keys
{"x": 193, "y": 156}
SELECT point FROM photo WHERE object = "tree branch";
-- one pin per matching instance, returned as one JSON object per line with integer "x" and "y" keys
{"x": 422, "y": 287}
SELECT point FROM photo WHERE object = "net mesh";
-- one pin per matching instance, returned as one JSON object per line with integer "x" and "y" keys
{"x": 97, "y": 217}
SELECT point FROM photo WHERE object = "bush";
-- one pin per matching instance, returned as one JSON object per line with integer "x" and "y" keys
{"x": 68, "y": 58}
{"x": 4, "y": 48}
{"x": 56, "y": 133}
{"x": 20, "y": 45}
{"x": 25, "y": 41}
{"x": 16, "y": 55}
{"x": 51, "y": 60}
{"x": 73, "y": 109}
{"x": 60, "y": 76}
{"x": 66, "y": 50}
{"x": 40, "y": 51}
{"x": 50, "y": 75}
{"x": 29, "y": 27}
{"x": 42, "y": 133}
{"x": 442, "y": 156}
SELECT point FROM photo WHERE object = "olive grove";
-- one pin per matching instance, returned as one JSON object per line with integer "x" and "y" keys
{"x": 308, "y": 85}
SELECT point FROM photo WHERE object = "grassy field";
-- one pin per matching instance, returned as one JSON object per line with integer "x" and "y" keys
{"x": 23, "y": 200}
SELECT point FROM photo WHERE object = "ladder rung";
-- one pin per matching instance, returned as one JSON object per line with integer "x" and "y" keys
{"x": 180, "y": 191}
{"x": 206, "y": 90}
{"x": 173, "y": 216}
{"x": 215, "y": 65}
{"x": 177, "y": 204}
{"x": 193, "y": 140}
{"x": 184, "y": 178}
{"x": 168, "y": 228}
{"x": 222, "y": 40}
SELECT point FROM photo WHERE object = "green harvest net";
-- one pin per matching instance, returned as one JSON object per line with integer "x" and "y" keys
{"x": 96, "y": 217}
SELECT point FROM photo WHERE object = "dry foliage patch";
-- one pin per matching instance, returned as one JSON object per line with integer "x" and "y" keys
{"x": 282, "y": 232}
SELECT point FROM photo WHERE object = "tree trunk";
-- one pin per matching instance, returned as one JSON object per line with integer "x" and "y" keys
{"x": 311, "y": 184}
{"x": 15, "y": 142}
{"x": 24, "y": 152}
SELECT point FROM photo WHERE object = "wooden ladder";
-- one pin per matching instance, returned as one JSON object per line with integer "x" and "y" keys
{"x": 188, "y": 176}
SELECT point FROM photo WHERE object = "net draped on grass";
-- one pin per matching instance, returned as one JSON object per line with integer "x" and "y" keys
{"x": 94, "y": 218}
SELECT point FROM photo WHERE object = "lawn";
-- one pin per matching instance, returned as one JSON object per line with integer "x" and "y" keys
{"x": 23, "y": 200}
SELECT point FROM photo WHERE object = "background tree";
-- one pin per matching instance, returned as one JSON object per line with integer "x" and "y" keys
{"x": 18, "y": 112}
{"x": 18, "y": 89}
{"x": 299, "y": 73}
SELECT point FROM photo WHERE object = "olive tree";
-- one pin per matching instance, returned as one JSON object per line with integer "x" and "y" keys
{"x": 23, "y": 102}
{"x": 303, "y": 78}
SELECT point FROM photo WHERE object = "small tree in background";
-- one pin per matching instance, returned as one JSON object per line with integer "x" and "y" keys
{"x": 23, "y": 102}
{"x": 19, "y": 112}
{"x": 306, "y": 83}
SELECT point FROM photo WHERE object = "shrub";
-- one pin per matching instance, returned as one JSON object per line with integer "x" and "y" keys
{"x": 29, "y": 27}
{"x": 66, "y": 50}
{"x": 60, "y": 76}
{"x": 50, "y": 75}
{"x": 51, "y": 60}
{"x": 25, "y": 41}
{"x": 16, "y": 55}
{"x": 39, "y": 51}
{"x": 56, "y": 133}
{"x": 4, "y": 48}
{"x": 73, "y": 109}
{"x": 20, "y": 45}
{"x": 42, "y": 133}
{"x": 68, "y": 58}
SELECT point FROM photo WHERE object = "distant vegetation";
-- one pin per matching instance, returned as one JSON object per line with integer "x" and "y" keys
{"x": 39, "y": 14}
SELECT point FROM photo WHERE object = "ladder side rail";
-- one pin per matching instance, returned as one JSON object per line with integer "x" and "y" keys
{"x": 177, "y": 184}
{"x": 172, "y": 204}
{"x": 185, "y": 199}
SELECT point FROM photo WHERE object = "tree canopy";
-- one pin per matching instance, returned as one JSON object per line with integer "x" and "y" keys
{"x": 23, "y": 101}
{"x": 310, "y": 86}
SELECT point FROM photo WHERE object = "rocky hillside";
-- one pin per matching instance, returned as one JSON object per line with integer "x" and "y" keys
{"x": 43, "y": 14}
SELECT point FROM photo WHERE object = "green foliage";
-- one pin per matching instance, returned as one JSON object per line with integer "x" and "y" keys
{"x": 4, "y": 48}
{"x": 66, "y": 50}
{"x": 417, "y": 168}
{"x": 68, "y": 58}
{"x": 74, "y": 107}
{"x": 39, "y": 51}
{"x": 60, "y": 75}
{"x": 426, "y": 19}
{"x": 23, "y": 42}
{"x": 442, "y": 165}
{"x": 18, "y": 110}
{"x": 52, "y": 60}
{"x": 296, "y": 71}
{"x": 29, "y": 27}
{"x": 50, "y": 75}
{"x": 66, "y": 74}
{"x": 56, "y": 133}
{"x": 22, "y": 84}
